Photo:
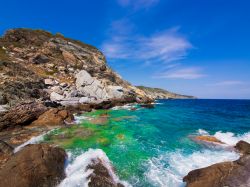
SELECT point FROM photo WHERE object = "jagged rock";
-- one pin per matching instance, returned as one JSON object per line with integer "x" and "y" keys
{"x": 53, "y": 117}
{"x": 22, "y": 114}
{"x": 90, "y": 86}
{"x": 40, "y": 59}
{"x": 101, "y": 176}
{"x": 231, "y": 174}
{"x": 56, "y": 97}
{"x": 39, "y": 165}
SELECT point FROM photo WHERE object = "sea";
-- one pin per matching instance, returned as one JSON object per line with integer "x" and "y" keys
{"x": 152, "y": 147}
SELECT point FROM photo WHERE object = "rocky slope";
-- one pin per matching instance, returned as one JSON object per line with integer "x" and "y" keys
{"x": 158, "y": 93}
{"x": 36, "y": 64}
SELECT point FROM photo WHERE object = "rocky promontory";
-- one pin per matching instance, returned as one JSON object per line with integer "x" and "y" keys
{"x": 158, "y": 93}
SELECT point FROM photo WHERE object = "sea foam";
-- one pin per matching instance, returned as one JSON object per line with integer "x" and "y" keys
{"x": 228, "y": 138}
{"x": 169, "y": 169}
{"x": 77, "y": 173}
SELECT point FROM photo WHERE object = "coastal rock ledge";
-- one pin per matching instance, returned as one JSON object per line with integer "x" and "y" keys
{"x": 230, "y": 174}
{"x": 39, "y": 165}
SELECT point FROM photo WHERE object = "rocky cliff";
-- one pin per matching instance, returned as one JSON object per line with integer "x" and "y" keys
{"x": 158, "y": 93}
{"x": 37, "y": 65}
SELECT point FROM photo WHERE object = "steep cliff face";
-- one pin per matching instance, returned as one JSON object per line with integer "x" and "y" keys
{"x": 158, "y": 93}
{"x": 36, "y": 64}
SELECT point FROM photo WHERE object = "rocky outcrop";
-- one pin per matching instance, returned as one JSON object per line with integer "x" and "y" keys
{"x": 158, "y": 93}
{"x": 21, "y": 115}
{"x": 231, "y": 174}
{"x": 101, "y": 176}
{"x": 53, "y": 117}
{"x": 36, "y": 64}
{"x": 39, "y": 165}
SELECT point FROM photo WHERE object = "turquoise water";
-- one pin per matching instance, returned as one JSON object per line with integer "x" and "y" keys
{"x": 152, "y": 147}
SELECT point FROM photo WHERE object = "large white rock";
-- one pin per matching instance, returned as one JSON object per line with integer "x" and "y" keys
{"x": 56, "y": 97}
{"x": 90, "y": 86}
{"x": 115, "y": 91}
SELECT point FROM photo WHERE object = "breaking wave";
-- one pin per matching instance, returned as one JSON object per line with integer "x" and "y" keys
{"x": 168, "y": 169}
{"x": 77, "y": 172}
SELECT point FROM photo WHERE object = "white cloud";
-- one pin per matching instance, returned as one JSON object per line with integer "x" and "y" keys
{"x": 228, "y": 83}
{"x": 182, "y": 73}
{"x": 137, "y": 4}
{"x": 161, "y": 47}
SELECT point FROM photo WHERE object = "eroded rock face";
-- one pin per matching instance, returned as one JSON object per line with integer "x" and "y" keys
{"x": 22, "y": 114}
{"x": 39, "y": 165}
{"x": 231, "y": 174}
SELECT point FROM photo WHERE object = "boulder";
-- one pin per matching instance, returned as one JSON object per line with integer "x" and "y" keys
{"x": 90, "y": 86}
{"x": 39, "y": 165}
{"x": 40, "y": 59}
{"x": 231, "y": 174}
{"x": 150, "y": 106}
{"x": 53, "y": 117}
{"x": 243, "y": 147}
{"x": 22, "y": 114}
{"x": 101, "y": 176}
{"x": 115, "y": 91}
{"x": 56, "y": 97}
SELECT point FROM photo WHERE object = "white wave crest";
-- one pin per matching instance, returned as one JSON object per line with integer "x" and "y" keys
{"x": 228, "y": 138}
{"x": 77, "y": 173}
{"x": 80, "y": 118}
{"x": 168, "y": 170}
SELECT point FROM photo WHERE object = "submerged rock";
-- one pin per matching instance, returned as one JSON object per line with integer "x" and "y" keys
{"x": 231, "y": 174}
{"x": 207, "y": 139}
{"x": 39, "y": 165}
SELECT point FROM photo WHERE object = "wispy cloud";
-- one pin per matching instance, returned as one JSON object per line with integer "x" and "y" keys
{"x": 182, "y": 73}
{"x": 137, "y": 4}
{"x": 228, "y": 83}
{"x": 163, "y": 47}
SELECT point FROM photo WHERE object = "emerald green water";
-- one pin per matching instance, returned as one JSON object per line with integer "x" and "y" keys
{"x": 152, "y": 147}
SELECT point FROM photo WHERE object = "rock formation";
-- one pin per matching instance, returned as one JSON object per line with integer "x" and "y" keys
{"x": 158, "y": 93}
{"x": 35, "y": 165}
{"x": 231, "y": 174}
{"x": 36, "y": 64}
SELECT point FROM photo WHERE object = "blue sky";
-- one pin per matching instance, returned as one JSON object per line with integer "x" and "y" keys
{"x": 193, "y": 47}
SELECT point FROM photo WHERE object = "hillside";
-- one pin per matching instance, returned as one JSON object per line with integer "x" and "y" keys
{"x": 38, "y": 65}
{"x": 158, "y": 93}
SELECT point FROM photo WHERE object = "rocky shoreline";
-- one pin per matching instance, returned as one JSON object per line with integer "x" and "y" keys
{"x": 44, "y": 80}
